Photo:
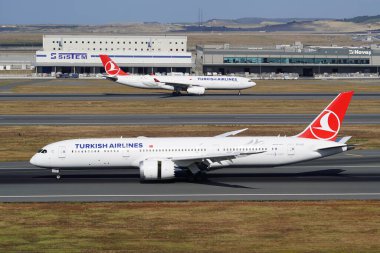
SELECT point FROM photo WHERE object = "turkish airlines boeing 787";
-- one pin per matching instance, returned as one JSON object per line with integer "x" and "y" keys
{"x": 161, "y": 158}
{"x": 191, "y": 84}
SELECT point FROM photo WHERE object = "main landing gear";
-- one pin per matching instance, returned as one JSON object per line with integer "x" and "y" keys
{"x": 176, "y": 93}
{"x": 56, "y": 171}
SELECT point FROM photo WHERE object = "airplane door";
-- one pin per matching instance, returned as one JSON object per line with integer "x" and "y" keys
{"x": 291, "y": 150}
{"x": 61, "y": 152}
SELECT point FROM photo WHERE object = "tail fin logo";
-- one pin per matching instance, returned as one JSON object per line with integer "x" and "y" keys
{"x": 111, "y": 68}
{"x": 327, "y": 126}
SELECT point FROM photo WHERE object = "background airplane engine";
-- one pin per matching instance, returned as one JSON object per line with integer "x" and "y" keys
{"x": 196, "y": 90}
{"x": 162, "y": 169}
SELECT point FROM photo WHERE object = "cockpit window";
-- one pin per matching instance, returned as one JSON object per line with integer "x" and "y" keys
{"x": 43, "y": 151}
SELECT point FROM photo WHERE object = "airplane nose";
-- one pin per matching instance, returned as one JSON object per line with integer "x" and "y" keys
{"x": 34, "y": 160}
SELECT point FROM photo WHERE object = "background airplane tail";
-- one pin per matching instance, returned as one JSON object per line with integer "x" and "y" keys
{"x": 111, "y": 67}
{"x": 326, "y": 126}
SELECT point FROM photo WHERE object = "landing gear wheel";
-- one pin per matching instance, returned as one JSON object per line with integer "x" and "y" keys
{"x": 57, "y": 172}
{"x": 239, "y": 92}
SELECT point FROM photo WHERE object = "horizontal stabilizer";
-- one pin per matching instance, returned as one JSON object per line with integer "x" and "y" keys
{"x": 344, "y": 139}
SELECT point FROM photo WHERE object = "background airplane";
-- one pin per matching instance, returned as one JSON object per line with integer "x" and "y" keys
{"x": 162, "y": 158}
{"x": 191, "y": 84}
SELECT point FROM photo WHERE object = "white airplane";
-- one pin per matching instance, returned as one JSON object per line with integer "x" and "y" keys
{"x": 162, "y": 158}
{"x": 191, "y": 84}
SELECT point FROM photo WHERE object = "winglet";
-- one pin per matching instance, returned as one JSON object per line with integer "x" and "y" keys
{"x": 232, "y": 133}
{"x": 327, "y": 125}
{"x": 111, "y": 67}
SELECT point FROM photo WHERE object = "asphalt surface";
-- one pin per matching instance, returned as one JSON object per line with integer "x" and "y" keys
{"x": 160, "y": 95}
{"x": 179, "y": 119}
{"x": 351, "y": 175}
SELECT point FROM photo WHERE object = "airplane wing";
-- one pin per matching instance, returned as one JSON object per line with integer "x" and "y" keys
{"x": 232, "y": 133}
{"x": 208, "y": 158}
{"x": 182, "y": 86}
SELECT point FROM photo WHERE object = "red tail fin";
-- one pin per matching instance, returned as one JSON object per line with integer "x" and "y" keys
{"x": 326, "y": 126}
{"x": 111, "y": 67}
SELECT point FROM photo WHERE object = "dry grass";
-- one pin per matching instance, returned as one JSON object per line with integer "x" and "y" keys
{"x": 329, "y": 226}
{"x": 234, "y": 38}
{"x": 179, "y": 107}
{"x": 268, "y": 39}
{"x": 20, "y": 39}
{"x": 19, "y": 143}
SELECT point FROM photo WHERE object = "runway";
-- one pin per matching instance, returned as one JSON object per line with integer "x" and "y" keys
{"x": 352, "y": 175}
{"x": 177, "y": 119}
{"x": 160, "y": 95}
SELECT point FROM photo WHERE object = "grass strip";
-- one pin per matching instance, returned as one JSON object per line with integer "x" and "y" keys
{"x": 303, "y": 226}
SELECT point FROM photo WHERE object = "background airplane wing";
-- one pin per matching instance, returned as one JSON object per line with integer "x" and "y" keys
{"x": 232, "y": 133}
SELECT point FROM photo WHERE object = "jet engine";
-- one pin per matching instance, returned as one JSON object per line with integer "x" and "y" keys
{"x": 157, "y": 169}
{"x": 196, "y": 90}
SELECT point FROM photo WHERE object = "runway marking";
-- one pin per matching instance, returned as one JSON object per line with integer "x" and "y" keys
{"x": 195, "y": 195}
{"x": 354, "y": 155}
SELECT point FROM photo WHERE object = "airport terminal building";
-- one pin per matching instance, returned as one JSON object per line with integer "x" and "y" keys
{"x": 135, "y": 54}
{"x": 306, "y": 61}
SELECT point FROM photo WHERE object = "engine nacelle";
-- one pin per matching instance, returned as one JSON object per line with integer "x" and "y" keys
{"x": 196, "y": 90}
{"x": 157, "y": 169}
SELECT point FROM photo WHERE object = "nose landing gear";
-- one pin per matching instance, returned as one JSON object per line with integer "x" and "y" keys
{"x": 56, "y": 171}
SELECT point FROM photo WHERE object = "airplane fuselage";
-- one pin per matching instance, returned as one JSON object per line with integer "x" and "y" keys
{"x": 207, "y": 82}
{"x": 130, "y": 152}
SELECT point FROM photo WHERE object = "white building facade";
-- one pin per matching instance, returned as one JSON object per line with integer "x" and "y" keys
{"x": 135, "y": 54}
